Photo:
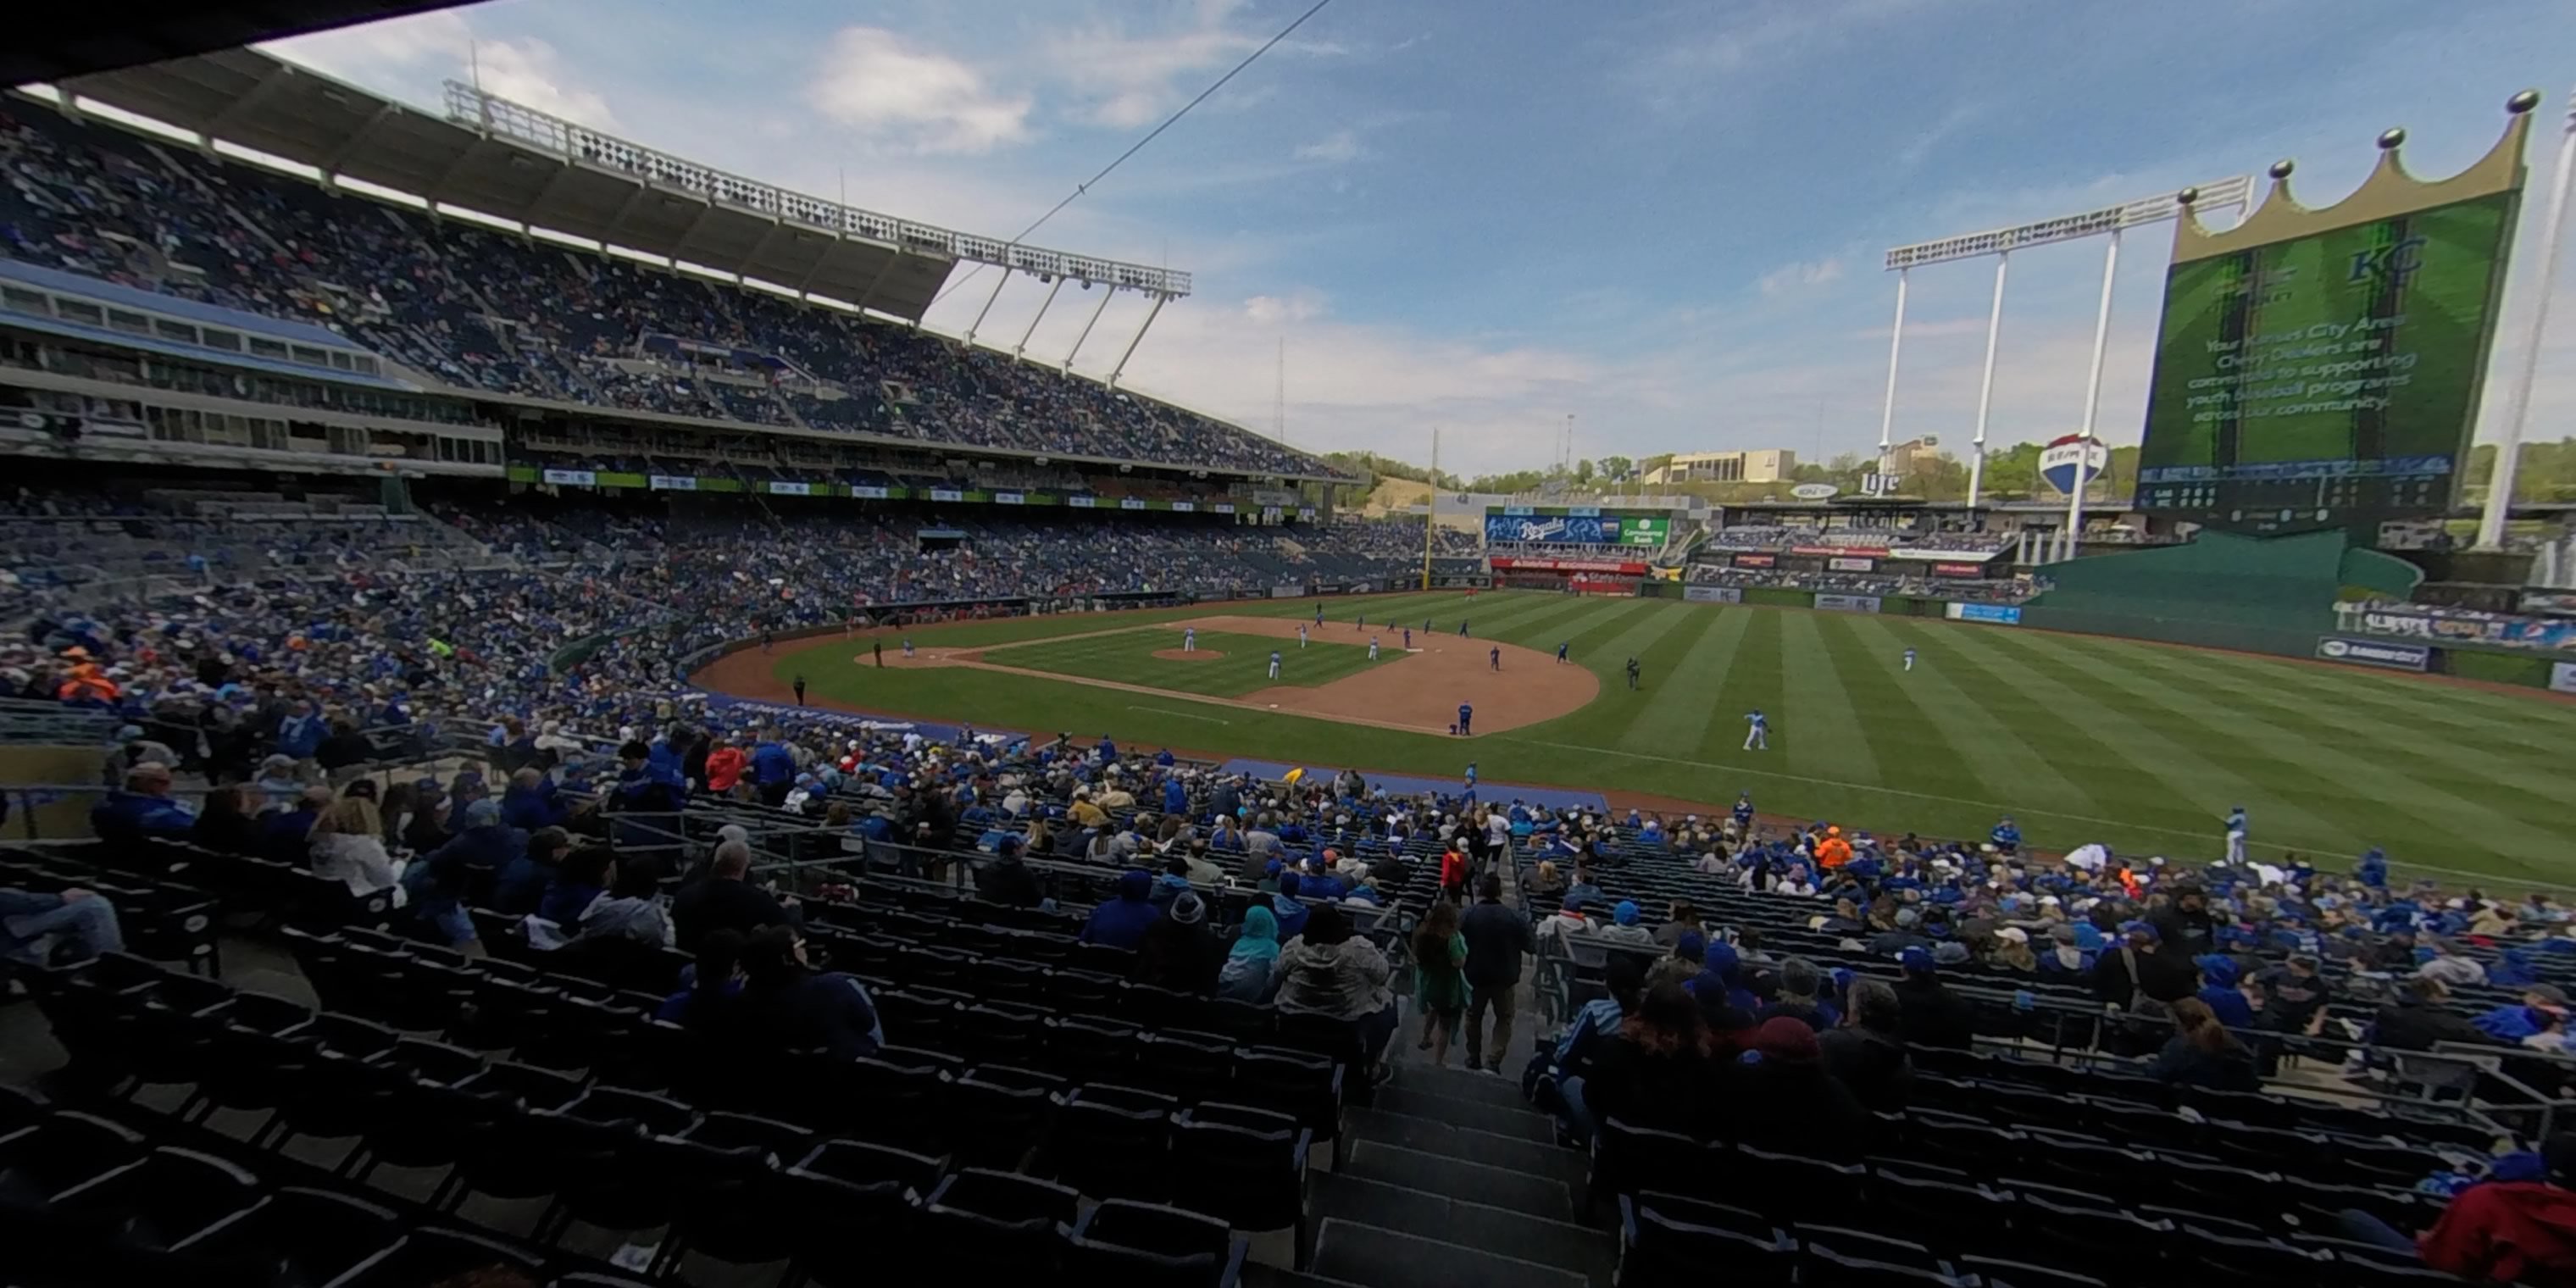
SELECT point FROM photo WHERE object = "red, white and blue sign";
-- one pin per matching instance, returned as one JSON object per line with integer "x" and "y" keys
{"x": 2060, "y": 459}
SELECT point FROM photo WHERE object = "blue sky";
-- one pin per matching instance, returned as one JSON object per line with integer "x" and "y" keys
{"x": 1664, "y": 219}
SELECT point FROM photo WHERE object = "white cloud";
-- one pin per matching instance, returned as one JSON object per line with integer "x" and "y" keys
{"x": 1297, "y": 306}
{"x": 408, "y": 56}
{"x": 911, "y": 99}
{"x": 1921, "y": 146}
{"x": 1123, "y": 78}
{"x": 1334, "y": 148}
{"x": 1801, "y": 276}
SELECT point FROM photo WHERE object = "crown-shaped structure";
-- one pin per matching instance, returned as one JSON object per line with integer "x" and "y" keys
{"x": 2388, "y": 192}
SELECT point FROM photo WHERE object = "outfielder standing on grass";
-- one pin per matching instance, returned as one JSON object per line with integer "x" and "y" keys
{"x": 1561, "y": 647}
{"x": 1632, "y": 673}
{"x": 1274, "y": 664}
{"x": 1757, "y": 731}
{"x": 1301, "y": 635}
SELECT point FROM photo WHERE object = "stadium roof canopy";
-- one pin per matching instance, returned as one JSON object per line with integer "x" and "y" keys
{"x": 54, "y": 42}
{"x": 497, "y": 158}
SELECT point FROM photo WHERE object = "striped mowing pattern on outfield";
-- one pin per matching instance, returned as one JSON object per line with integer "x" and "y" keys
{"x": 2141, "y": 746}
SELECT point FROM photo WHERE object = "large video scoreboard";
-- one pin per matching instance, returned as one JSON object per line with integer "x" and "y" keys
{"x": 2322, "y": 368}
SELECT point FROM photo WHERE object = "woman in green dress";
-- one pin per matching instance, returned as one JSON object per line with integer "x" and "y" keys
{"x": 1439, "y": 983}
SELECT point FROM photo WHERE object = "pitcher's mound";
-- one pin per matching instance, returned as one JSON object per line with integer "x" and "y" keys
{"x": 1188, "y": 655}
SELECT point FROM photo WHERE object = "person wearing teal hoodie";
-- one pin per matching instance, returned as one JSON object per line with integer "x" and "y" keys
{"x": 1250, "y": 966}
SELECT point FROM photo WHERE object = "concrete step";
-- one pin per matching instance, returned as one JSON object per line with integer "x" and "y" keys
{"x": 1376, "y": 1258}
{"x": 1467, "y": 1144}
{"x": 1502, "y": 1120}
{"x": 1508, "y": 1232}
{"x": 1540, "y": 1196}
{"x": 1257, "y": 1275}
{"x": 1459, "y": 1084}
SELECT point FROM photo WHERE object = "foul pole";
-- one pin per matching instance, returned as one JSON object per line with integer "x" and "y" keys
{"x": 1431, "y": 508}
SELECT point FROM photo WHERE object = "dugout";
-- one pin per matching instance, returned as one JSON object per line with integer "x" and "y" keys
{"x": 2222, "y": 590}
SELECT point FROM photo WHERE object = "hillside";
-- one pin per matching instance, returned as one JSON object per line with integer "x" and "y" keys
{"x": 1392, "y": 495}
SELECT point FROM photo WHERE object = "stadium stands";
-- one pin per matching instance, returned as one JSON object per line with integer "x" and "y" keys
{"x": 1743, "y": 537}
{"x": 2010, "y": 590}
{"x": 1027, "y": 1023}
{"x": 1023, "y": 1069}
{"x": 485, "y": 312}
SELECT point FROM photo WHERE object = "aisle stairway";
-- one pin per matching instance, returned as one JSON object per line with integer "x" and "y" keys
{"x": 1451, "y": 1181}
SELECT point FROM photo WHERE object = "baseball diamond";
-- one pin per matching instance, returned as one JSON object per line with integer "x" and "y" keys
{"x": 2139, "y": 746}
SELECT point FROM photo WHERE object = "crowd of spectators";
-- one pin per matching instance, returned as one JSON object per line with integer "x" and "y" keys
{"x": 2012, "y": 590}
{"x": 1776, "y": 537}
{"x": 492, "y": 312}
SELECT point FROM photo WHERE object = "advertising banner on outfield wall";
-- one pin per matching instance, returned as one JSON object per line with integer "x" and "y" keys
{"x": 1958, "y": 570}
{"x": 1848, "y": 603}
{"x": 1621, "y": 569}
{"x": 1755, "y": 561}
{"x": 867, "y": 492}
{"x": 2000, "y": 614}
{"x": 2480, "y": 628}
{"x": 2562, "y": 677}
{"x": 1874, "y": 552}
{"x": 674, "y": 483}
{"x": 2380, "y": 653}
{"x": 1713, "y": 594}
{"x": 1851, "y": 565}
{"x": 574, "y": 478}
{"x": 1288, "y": 592}
{"x": 790, "y": 487}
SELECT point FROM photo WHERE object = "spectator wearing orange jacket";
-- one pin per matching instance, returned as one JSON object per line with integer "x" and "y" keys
{"x": 1833, "y": 851}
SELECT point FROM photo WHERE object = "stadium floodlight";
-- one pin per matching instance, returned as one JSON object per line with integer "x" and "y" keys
{"x": 2110, "y": 221}
{"x": 2518, "y": 395}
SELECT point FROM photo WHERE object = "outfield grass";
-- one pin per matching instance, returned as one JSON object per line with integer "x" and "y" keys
{"x": 2139, "y": 746}
{"x": 1128, "y": 657}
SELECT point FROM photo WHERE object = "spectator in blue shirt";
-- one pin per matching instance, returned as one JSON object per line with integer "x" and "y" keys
{"x": 142, "y": 809}
{"x": 773, "y": 768}
{"x": 2006, "y": 837}
{"x": 1120, "y": 921}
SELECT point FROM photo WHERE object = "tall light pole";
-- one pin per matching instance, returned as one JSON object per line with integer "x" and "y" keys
{"x": 2092, "y": 395}
{"x": 2518, "y": 395}
{"x": 1985, "y": 387}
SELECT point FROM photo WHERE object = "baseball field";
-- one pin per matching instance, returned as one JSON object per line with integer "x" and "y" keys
{"x": 2142, "y": 747}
